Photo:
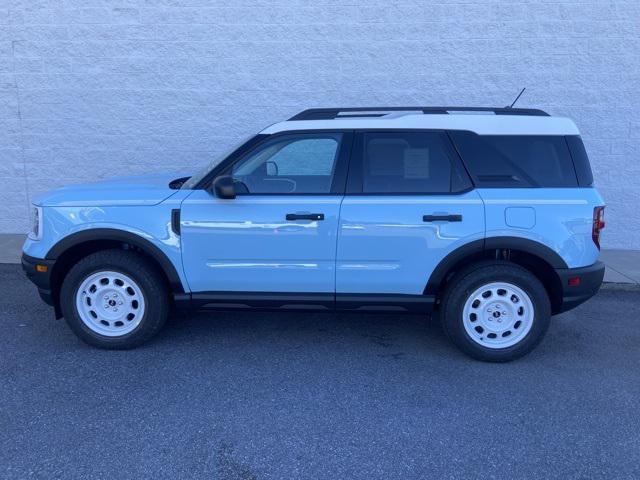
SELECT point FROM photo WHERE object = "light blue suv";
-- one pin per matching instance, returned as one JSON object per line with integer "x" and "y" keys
{"x": 487, "y": 215}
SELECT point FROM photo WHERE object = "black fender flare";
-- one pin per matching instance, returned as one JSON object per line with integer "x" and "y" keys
{"x": 112, "y": 234}
{"x": 478, "y": 247}
{"x": 538, "y": 249}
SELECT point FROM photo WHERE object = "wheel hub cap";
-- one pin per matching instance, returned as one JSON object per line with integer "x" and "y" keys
{"x": 110, "y": 303}
{"x": 498, "y": 315}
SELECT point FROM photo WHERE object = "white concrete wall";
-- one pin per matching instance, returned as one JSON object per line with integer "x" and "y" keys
{"x": 95, "y": 88}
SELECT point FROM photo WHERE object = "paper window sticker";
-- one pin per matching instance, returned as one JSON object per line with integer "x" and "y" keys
{"x": 416, "y": 163}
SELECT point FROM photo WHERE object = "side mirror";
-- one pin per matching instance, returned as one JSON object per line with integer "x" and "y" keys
{"x": 223, "y": 187}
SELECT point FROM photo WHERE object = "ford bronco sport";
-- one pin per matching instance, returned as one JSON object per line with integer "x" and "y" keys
{"x": 486, "y": 215}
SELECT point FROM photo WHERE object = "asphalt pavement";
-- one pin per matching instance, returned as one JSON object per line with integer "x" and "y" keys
{"x": 317, "y": 396}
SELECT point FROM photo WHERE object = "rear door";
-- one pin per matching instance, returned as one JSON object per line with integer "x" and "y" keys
{"x": 409, "y": 203}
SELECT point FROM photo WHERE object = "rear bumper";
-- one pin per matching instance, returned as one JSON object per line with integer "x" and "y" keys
{"x": 589, "y": 284}
{"x": 42, "y": 280}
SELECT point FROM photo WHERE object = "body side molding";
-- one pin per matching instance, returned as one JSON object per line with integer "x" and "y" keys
{"x": 384, "y": 302}
{"x": 349, "y": 302}
{"x": 261, "y": 300}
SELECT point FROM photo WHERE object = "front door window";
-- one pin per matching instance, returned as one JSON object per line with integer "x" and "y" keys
{"x": 291, "y": 164}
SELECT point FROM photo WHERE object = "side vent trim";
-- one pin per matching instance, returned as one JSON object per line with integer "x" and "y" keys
{"x": 175, "y": 221}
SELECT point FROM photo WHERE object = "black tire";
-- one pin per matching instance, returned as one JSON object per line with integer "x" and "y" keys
{"x": 464, "y": 283}
{"x": 138, "y": 268}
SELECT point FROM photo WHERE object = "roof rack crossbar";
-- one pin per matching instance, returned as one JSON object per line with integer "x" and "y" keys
{"x": 350, "y": 112}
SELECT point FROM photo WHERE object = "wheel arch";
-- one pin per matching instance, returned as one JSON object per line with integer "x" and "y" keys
{"x": 536, "y": 257}
{"x": 80, "y": 244}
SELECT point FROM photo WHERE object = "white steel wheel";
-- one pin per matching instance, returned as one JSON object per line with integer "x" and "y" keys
{"x": 498, "y": 315}
{"x": 110, "y": 303}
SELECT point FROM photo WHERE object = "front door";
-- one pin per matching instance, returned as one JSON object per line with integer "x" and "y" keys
{"x": 279, "y": 234}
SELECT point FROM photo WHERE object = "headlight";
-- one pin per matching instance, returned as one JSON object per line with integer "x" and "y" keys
{"x": 36, "y": 223}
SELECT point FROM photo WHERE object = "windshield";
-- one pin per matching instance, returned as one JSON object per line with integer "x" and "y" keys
{"x": 195, "y": 179}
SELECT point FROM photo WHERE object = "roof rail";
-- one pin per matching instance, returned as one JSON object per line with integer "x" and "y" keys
{"x": 332, "y": 113}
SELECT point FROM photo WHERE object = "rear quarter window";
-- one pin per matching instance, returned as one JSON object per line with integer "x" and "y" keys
{"x": 580, "y": 160}
{"x": 516, "y": 161}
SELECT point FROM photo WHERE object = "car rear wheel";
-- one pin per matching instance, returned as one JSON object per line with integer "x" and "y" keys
{"x": 114, "y": 299}
{"x": 496, "y": 311}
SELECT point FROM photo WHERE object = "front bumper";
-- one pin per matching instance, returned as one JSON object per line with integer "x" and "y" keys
{"x": 42, "y": 280}
{"x": 588, "y": 285}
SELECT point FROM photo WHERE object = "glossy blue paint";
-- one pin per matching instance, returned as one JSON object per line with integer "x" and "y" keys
{"x": 520, "y": 217}
{"x": 384, "y": 246}
{"x": 246, "y": 244}
{"x": 123, "y": 205}
{"x": 366, "y": 244}
{"x": 564, "y": 219}
{"x": 121, "y": 191}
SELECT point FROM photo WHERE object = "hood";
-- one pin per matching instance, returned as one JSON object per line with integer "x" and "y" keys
{"x": 121, "y": 191}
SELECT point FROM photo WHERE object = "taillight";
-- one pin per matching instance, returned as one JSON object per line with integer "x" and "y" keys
{"x": 598, "y": 225}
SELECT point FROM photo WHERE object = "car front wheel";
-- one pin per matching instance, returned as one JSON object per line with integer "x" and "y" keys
{"x": 114, "y": 299}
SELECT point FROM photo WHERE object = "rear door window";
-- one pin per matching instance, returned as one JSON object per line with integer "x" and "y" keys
{"x": 516, "y": 160}
{"x": 407, "y": 162}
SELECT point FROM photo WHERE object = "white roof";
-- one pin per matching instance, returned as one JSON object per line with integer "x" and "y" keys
{"x": 482, "y": 124}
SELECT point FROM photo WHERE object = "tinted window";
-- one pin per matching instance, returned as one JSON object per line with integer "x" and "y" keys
{"x": 289, "y": 164}
{"x": 580, "y": 160}
{"x": 516, "y": 160}
{"x": 408, "y": 162}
